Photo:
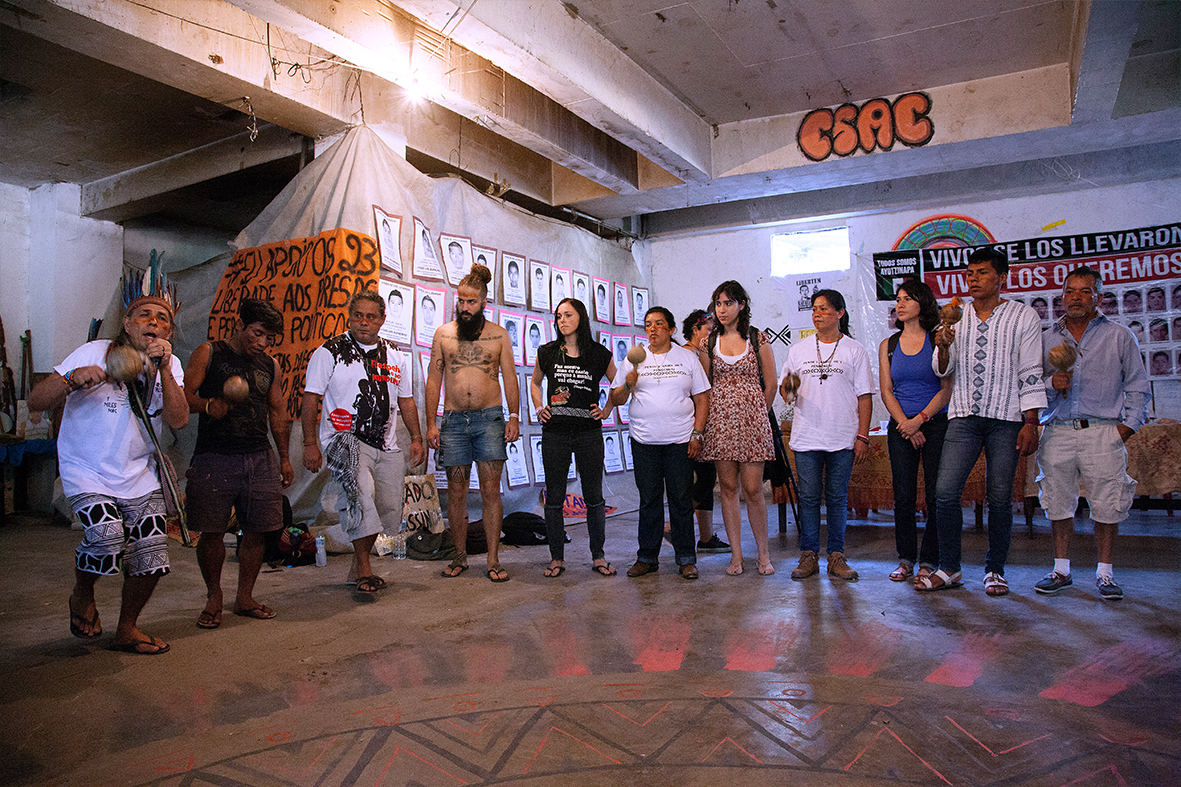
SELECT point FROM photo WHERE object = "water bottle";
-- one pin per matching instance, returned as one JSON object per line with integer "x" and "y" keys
{"x": 399, "y": 546}
{"x": 321, "y": 551}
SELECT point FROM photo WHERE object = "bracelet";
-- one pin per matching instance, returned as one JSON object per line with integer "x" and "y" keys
{"x": 514, "y": 415}
{"x": 863, "y": 438}
{"x": 1031, "y": 420}
{"x": 416, "y": 439}
{"x": 207, "y": 401}
{"x": 69, "y": 381}
{"x": 627, "y": 385}
{"x": 924, "y": 416}
{"x": 697, "y": 434}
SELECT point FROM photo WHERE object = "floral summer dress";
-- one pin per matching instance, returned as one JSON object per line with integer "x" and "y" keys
{"x": 738, "y": 429}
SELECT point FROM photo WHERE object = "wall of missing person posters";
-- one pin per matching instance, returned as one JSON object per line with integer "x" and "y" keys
{"x": 413, "y": 238}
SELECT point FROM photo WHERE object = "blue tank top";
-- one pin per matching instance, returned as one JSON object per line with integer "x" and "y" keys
{"x": 915, "y": 384}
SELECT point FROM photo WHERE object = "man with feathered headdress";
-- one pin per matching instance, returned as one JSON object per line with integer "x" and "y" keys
{"x": 106, "y": 455}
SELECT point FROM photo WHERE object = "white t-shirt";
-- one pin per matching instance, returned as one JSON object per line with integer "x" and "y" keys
{"x": 661, "y": 409}
{"x": 103, "y": 447}
{"x": 336, "y": 372}
{"x": 826, "y": 410}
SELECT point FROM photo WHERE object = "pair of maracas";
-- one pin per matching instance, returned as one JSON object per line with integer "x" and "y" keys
{"x": 1061, "y": 357}
{"x": 125, "y": 363}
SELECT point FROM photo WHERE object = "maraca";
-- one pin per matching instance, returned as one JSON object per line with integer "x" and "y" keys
{"x": 637, "y": 354}
{"x": 791, "y": 384}
{"x": 952, "y": 313}
{"x": 1063, "y": 357}
{"x": 124, "y": 363}
{"x": 235, "y": 390}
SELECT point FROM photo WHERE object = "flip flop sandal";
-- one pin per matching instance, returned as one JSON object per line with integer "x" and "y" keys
{"x": 209, "y": 620}
{"x": 553, "y": 572}
{"x": 370, "y": 584}
{"x": 159, "y": 646}
{"x": 92, "y": 623}
{"x": 496, "y": 569}
{"x": 605, "y": 570}
{"x": 455, "y": 564}
{"x": 900, "y": 574}
{"x": 939, "y": 580}
{"x": 263, "y": 612}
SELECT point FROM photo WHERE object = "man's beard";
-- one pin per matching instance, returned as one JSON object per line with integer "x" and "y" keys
{"x": 469, "y": 326}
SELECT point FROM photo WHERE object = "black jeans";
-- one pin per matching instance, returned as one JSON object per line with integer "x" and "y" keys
{"x": 904, "y": 468}
{"x": 705, "y": 475}
{"x": 587, "y": 447}
{"x": 661, "y": 469}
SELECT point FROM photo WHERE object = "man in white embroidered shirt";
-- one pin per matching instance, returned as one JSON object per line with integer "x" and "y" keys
{"x": 996, "y": 362}
{"x": 1095, "y": 404}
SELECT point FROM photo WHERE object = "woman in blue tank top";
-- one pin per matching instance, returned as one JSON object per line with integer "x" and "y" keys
{"x": 917, "y": 401}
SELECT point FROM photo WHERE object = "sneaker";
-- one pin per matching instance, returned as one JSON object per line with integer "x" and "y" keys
{"x": 1108, "y": 590}
{"x": 838, "y": 568}
{"x": 1053, "y": 582}
{"x": 809, "y": 565}
{"x": 714, "y": 544}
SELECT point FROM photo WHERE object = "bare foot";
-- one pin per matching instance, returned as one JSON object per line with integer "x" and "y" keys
{"x": 766, "y": 569}
{"x": 734, "y": 569}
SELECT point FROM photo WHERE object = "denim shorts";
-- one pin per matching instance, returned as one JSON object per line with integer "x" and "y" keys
{"x": 471, "y": 436}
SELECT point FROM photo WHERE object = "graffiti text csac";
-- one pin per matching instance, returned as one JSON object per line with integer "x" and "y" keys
{"x": 875, "y": 124}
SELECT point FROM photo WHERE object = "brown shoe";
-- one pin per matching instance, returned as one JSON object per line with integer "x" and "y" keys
{"x": 689, "y": 571}
{"x": 640, "y": 568}
{"x": 809, "y": 565}
{"x": 838, "y": 568}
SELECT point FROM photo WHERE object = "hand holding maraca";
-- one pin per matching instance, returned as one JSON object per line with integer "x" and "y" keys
{"x": 1062, "y": 358}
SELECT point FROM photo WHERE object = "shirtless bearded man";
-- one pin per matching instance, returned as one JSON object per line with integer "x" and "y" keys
{"x": 471, "y": 354}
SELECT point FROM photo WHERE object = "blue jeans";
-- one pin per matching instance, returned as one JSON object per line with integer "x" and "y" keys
{"x": 904, "y": 470}
{"x": 961, "y": 448}
{"x": 587, "y": 447}
{"x": 823, "y": 473}
{"x": 661, "y": 469}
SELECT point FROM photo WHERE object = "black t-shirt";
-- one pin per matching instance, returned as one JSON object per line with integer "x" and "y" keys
{"x": 573, "y": 384}
{"x": 244, "y": 428}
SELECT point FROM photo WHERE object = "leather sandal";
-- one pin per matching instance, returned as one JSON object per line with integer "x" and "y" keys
{"x": 939, "y": 580}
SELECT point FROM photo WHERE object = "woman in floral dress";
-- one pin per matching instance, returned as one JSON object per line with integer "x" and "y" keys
{"x": 738, "y": 431}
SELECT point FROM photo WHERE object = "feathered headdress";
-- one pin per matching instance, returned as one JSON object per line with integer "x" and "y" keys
{"x": 149, "y": 286}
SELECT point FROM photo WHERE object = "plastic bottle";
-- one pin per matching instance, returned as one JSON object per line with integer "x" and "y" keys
{"x": 321, "y": 551}
{"x": 400, "y": 543}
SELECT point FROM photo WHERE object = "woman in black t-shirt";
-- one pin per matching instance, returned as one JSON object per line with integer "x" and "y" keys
{"x": 572, "y": 365}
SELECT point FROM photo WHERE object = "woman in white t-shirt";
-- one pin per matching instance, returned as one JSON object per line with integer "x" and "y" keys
{"x": 830, "y": 431}
{"x": 669, "y": 395}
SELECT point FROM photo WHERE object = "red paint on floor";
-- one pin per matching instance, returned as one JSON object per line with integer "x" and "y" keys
{"x": 864, "y": 650}
{"x": 660, "y": 642}
{"x": 965, "y": 665}
{"x": 1113, "y": 670}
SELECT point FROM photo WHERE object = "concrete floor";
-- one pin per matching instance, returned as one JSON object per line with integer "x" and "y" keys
{"x": 595, "y": 681}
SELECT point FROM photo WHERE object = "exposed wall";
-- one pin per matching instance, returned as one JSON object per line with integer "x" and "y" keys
{"x": 685, "y": 269}
{"x": 63, "y": 269}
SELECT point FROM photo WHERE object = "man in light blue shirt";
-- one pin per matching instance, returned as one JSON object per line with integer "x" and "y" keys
{"x": 1095, "y": 405}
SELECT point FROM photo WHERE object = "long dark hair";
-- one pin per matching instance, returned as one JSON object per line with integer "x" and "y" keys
{"x": 736, "y": 292}
{"x": 928, "y": 308}
{"x": 690, "y": 323}
{"x": 583, "y": 334}
{"x": 836, "y": 301}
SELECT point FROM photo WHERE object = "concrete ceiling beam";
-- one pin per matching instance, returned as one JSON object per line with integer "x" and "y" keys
{"x": 403, "y": 50}
{"x": 548, "y": 46}
{"x": 106, "y": 197}
{"x": 210, "y": 49}
{"x": 1110, "y": 31}
{"x": 1042, "y": 145}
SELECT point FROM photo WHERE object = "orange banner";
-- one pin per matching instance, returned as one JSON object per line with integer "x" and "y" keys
{"x": 309, "y": 280}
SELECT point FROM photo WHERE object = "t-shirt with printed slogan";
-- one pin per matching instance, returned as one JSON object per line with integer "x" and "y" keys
{"x": 832, "y": 377}
{"x": 573, "y": 385}
{"x": 662, "y": 409}
{"x": 356, "y": 399}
